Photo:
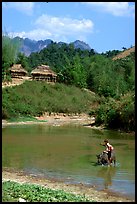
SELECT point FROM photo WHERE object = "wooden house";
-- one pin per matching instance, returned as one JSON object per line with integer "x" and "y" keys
{"x": 17, "y": 71}
{"x": 44, "y": 73}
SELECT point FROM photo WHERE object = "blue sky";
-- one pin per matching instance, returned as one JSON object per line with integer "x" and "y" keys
{"x": 103, "y": 25}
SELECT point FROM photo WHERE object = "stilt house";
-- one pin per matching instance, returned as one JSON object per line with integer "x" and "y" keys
{"x": 44, "y": 73}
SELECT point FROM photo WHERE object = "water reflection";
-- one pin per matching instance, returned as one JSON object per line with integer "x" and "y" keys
{"x": 107, "y": 173}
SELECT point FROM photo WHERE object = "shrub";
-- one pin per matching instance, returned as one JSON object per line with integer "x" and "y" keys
{"x": 117, "y": 113}
{"x": 12, "y": 191}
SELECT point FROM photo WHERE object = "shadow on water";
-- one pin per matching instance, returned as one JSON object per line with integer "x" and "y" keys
{"x": 94, "y": 163}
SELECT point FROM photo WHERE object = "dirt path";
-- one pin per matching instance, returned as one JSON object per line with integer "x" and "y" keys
{"x": 88, "y": 191}
{"x": 15, "y": 82}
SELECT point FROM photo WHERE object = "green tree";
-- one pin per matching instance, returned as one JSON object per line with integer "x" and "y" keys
{"x": 78, "y": 72}
{"x": 23, "y": 60}
{"x": 9, "y": 54}
{"x": 74, "y": 73}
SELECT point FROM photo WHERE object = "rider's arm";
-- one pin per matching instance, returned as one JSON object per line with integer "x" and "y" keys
{"x": 106, "y": 150}
{"x": 102, "y": 144}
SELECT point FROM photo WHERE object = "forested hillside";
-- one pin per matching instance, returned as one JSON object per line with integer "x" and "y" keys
{"x": 112, "y": 79}
{"x": 88, "y": 69}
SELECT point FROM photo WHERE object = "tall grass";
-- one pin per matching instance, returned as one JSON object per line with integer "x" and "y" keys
{"x": 34, "y": 98}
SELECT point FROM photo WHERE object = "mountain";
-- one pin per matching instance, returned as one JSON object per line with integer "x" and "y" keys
{"x": 28, "y": 46}
{"x": 81, "y": 45}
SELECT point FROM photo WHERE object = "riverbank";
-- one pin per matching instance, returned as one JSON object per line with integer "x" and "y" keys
{"x": 79, "y": 189}
{"x": 58, "y": 119}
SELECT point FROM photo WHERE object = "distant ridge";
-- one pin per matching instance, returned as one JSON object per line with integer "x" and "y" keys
{"x": 81, "y": 45}
{"x": 28, "y": 46}
{"x": 124, "y": 53}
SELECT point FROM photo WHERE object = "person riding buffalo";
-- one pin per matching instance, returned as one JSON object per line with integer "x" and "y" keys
{"x": 109, "y": 149}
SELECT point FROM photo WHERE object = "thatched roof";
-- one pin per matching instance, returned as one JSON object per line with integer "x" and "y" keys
{"x": 18, "y": 68}
{"x": 43, "y": 70}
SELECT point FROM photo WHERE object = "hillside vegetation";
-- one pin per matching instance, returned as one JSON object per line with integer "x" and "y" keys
{"x": 113, "y": 81}
{"x": 34, "y": 98}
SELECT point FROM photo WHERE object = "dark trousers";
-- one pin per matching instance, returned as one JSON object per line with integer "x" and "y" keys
{"x": 109, "y": 155}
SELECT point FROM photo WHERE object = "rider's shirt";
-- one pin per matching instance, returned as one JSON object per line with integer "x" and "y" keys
{"x": 109, "y": 147}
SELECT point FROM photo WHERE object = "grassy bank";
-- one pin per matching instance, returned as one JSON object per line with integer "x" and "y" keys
{"x": 34, "y": 98}
{"x": 12, "y": 191}
{"x": 25, "y": 119}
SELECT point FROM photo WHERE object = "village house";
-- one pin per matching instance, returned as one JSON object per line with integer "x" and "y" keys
{"x": 17, "y": 71}
{"x": 44, "y": 73}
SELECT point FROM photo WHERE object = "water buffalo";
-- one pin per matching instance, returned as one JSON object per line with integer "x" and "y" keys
{"x": 103, "y": 158}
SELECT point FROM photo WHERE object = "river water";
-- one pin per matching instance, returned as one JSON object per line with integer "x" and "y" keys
{"x": 68, "y": 153}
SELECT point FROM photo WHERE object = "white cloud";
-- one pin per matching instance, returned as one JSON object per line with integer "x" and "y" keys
{"x": 115, "y": 8}
{"x": 64, "y": 25}
{"x": 58, "y": 29}
{"x": 37, "y": 34}
{"x": 25, "y": 7}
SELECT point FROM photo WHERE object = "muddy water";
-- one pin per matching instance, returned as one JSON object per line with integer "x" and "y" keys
{"x": 69, "y": 153}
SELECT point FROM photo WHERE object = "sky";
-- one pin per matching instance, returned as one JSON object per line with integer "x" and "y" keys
{"x": 103, "y": 26}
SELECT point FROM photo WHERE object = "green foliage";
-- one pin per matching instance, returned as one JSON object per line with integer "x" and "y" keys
{"x": 65, "y": 60}
{"x": 111, "y": 78}
{"x": 34, "y": 98}
{"x": 24, "y": 119}
{"x": 23, "y": 60}
{"x": 119, "y": 114}
{"x": 111, "y": 53}
{"x": 12, "y": 191}
{"x": 9, "y": 54}
{"x": 127, "y": 69}
{"x": 74, "y": 74}
{"x": 87, "y": 69}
